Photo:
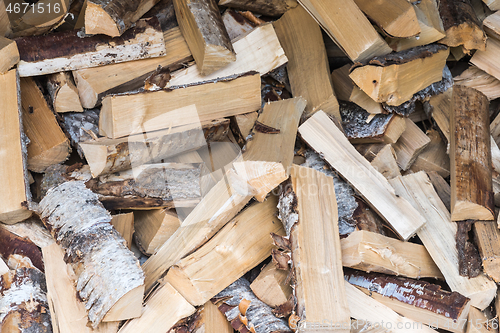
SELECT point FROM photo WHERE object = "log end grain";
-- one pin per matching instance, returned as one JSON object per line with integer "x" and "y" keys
{"x": 98, "y": 21}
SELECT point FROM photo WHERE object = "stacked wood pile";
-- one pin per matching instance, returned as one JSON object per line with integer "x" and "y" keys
{"x": 266, "y": 166}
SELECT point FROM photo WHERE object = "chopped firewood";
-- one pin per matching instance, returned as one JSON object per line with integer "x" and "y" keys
{"x": 344, "y": 22}
{"x": 241, "y": 126}
{"x": 122, "y": 115}
{"x": 491, "y": 25}
{"x": 433, "y": 157}
{"x": 67, "y": 311}
{"x": 95, "y": 83}
{"x": 264, "y": 7}
{"x": 470, "y": 155}
{"x": 31, "y": 229}
{"x": 13, "y": 245}
{"x": 246, "y": 312}
{"x": 324, "y": 137}
{"x": 162, "y": 310}
{"x": 360, "y": 98}
{"x": 307, "y": 68}
{"x": 475, "y": 78}
{"x": 372, "y": 252}
{"x": 385, "y": 162}
{"x": 487, "y": 238}
{"x": 469, "y": 261}
{"x": 359, "y": 128}
{"x": 495, "y": 155}
{"x": 492, "y": 4}
{"x": 124, "y": 224}
{"x": 5, "y": 24}
{"x": 109, "y": 278}
{"x": 259, "y": 51}
{"x": 236, "y": 24}
{"x": 45, "y": 55}
{"x": 48, "y": 144}
{"x": 308, "y": 211}
{"x": 413, "y": 70}
{"x": 480, "y": 322}
{"x": 461, "y": 25}
{"x": 23, "y": 300}
{"x": 219, "y": 157}
{"x": 271, "y": 286}
{"x": 430, "y": 24}
{"x": 114, "y": 17}
{"x": 154, "y": 227}
{"x": 410, "y": 144}
{"x": 438, "y": 237}
{"x": 226, "y": 257}
{"x": 13, "y": 170}
{"x": 441, "y": 187}
{"x": 396, "y": 18}
{"x": 210, "y": 319}
{"x": 63, "y": 93}
{"x": 417, "y": 300}
{"x": 488, "y": 60}
{"x": 8, "y": 53}
{"x": 80, "y": 127}
{"x": 440, "y": 106}
{"x": 201, "y": 24}
{"x": 3, "y": 267}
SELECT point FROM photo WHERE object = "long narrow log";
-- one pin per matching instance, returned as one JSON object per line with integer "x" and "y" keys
{"x": 268, "y": 8}
{"x": 410, "y": 144}
{"x": 109, "y": 278}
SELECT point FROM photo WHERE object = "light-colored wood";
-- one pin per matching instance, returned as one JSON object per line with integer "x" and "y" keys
{"x": 438, "y": 237}
{"x": 411, "y": 143}
{"x": 240, "y": 245}
{"x": 491, "y": 25}
{"x": 236, "y": 24}
{"x": 242, "y": 124}
{"x": 267, "y": 8}
{"x": 308, "y": 69}
{"x": 385, "y": 162}
{"x": 212, "y": 320}
{"x": 396, "y": 18}
{"x": 3, "y": 267}
{"x": 441, "y": 109}
{"x": 395, "y": 83}
{"x": 67, "y": 311}
{"x": 360, "y": 98}
{"x": 372, "y": 252}
{"x": 122, "y": 115}
{"x": 344, "y": 22}
{"x": 487, "y": 237}
{"x": 470, "y": 156}
{"x": 478, "y": 322}
{"x": 63, "y": 93}
{"x": 492, "y": 4}
{"x": 96, "y": 82}
{"x": 46, "y": 56}
{"x": 259, "y": 51}
{"x": 495, "y": 155}
{"x": 219, "y": 157}
{"x": 9, "y": 54}
{"x": 154, "y": 227}
{"x": 488, "y": 60}
{"x": 442, "y": 188}
{"x": 475, "y": 78}
{"x": 124, "y": 224}
{"x": 13, "y": 167}
{"x": 430, "y": 24}
{"x": 5, "y": 26}
{"x": 271, "y": 286}
{"x": 433, "y": 157}
{"x": 324, "y": 137}
{"x": 114, "y": 17}
{"x": 163, "y": 308}
{"x": 48, "y": 144}
{"x": 31, "y": 229}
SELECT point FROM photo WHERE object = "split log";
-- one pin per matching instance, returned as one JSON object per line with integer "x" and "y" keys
{"x": 469, "y": 260}
{"x": 31, "y": 229}
{"x": 67, "y": 311}
{"x": 396, "y": 18}
{"x": 226, "y": 257}
{"x": 430, "y": 24}
{"x": 438, "y": 237}
{"x": 478, "y": 322}
{"x": 202, "y": 27}
{"x": 153, "y": 228}
{"x": 210, "y": 319}
{"x": 80, "y": 127}
{"x": 12, "y": 245}
{"x": 417, "y": 300}
{"x": 63, "y": 93}
{"x": 359, "y": 128}
{"x": 492, "y": 4}
{"x": 96, "y": 82}
{"x": 241, "y": 125}
{"x": 109, "y": 278}
{"x": 487, "y": 238}
{"x": 308, "y": 69}
{"x": 470, "y": 153}
{"x": 124, "y": 224}
{"x": 385, "y": 162}
{"x": 308, "y": 210}
{"x": 440, "y": 107}
{"x": 344, "y": 22}
{"x": 372, "y": 252}
{"x": 13, "y": 170}
{"x": 488, "y": 60}
{"x": 258, "y": 51}
{"x": 324, "y": 137}
{"x": 442, "y": 188}
{"x": 3, "y": 267}
{"x": 42, "y": 55}
{"x": 376, "y": 76}
{"x": 48, "y": 144}
{"x": 162, "y": 310}
{"x": 122, "y": 115}
{"x": 271, "y": 286}
{"x": 114, "y": 17}
{"x": 236, "y": 24}
{"x": 475, "y": 78}
{"x": 5, "y": 25}
{"x": 461, "y": 25}
{"x": 23, "y": 300}
{"x": 246, "y": 312}
{"x": 411, "y": 143}
{"x": 267, "y": 8}
{"x": 491, "y": 25}
{"x": 219, "y": 157}
{"x": 433, "y": 157}
{"x": 8, "y": 53}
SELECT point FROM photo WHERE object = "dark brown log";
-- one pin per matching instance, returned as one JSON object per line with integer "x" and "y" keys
{"x": 11, "y": 244}
{"x": 264, "y": 7}
{"x": 469, "y": 261}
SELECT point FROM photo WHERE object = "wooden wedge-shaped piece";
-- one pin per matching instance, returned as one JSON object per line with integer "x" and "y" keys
{"x": 63, "y": 93}
{"x": 9, "y": 54}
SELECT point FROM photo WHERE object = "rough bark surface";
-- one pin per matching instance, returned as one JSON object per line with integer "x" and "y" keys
{"x": 469, "y": 260}
{"x": 356, "y": 127}
{"x": 264, "y": 7}
{"x": 80, "y": 125}
{"x": 11, "y": 244}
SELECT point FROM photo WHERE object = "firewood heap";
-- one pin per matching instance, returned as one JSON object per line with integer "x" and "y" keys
{"x": 265, "y": 166}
